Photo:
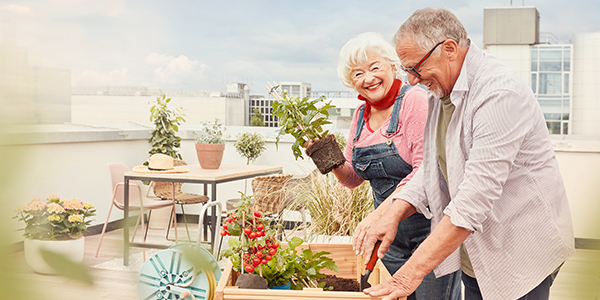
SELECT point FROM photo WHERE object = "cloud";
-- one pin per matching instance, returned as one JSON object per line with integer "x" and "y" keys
{"x": 14, "y": 8}
{"x": 174, "y": 70}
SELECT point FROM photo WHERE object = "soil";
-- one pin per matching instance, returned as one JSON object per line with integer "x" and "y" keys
{"x": 326, "y": 154}
{"x": 341, "y": 284}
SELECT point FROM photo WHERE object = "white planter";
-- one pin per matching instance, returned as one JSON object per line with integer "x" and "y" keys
{"x": 73, "y": 249}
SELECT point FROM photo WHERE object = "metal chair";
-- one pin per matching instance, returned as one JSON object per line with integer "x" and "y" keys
{"x": 137, "y": 200}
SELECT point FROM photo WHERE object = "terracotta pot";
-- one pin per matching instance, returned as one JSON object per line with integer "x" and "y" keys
{"x": 326, "y": 154}
{"x": 72, "y": 249}
{"x": 210, "y": 155}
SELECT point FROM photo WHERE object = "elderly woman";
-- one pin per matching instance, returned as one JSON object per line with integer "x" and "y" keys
{"x": 385, "y": 147}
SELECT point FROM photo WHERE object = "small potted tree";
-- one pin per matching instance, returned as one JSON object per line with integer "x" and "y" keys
{"x": 251, "y": 146}
{"x": 164, "y": 137}
{"x": 210, "y": 144}
{"x": 304, "y": 119}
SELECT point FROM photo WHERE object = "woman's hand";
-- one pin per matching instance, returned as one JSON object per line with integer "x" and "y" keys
{"x": 361, "y": 230}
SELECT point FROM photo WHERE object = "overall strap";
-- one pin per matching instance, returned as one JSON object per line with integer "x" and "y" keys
{"x": 359, "y": 123}
{"x": 393, "y": 126}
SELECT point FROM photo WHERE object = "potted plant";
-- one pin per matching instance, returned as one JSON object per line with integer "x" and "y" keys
{"x": 304, "y": 119}
{"x": 210, "y": 144}
{"x": 54, "y": 224}
{"x": 250, "y": 145}
{"x": 164, "y": 137}
{"x": 258, "y": 252}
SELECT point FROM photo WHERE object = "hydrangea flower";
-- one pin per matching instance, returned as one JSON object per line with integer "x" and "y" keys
{"x": 55, "y": 208}
{"x": 37, "y": 213}
{"x": 73, "y": 204}
{"x": 20, "y": 209}
{"x": 75, "y": 219}
{"x": 53, "y": 218}
{"x": 36, "y": 204}
{"x": 53, "y": 198}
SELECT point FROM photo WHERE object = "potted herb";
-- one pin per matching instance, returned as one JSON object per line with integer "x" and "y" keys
{"x": 304, "y": 119}
{"x": 259, "y": 252}
{"x": 164, "y": 137}
{"x": 54, "y": 224}
{"x": 210, "y": 144}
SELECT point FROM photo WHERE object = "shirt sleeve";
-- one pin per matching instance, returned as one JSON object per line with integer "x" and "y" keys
{"x": 499, "y": 126}
{"x": 414, "y": 193}
{"x": 413, "y": 119}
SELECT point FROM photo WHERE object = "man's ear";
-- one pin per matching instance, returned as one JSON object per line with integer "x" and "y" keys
{"x": 450, "y": 49}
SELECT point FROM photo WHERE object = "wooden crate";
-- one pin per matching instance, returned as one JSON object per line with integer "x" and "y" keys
{"x": 350, "y": 266}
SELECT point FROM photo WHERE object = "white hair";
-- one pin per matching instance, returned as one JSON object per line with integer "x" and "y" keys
{"x": 354, "y": 52}
{"x": 429, "y": 26}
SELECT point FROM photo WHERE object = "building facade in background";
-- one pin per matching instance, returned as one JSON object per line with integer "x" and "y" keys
{"x": 30, "y": 94}
{"x": 563, "y": 76}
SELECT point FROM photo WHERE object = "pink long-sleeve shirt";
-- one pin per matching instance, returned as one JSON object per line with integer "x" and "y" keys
{"x": 408, "y": 139}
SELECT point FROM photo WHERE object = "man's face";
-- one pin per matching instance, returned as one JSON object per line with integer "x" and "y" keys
{"x": 434, "y": 70}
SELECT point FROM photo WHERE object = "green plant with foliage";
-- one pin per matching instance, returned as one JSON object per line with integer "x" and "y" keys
{"x": 211, "y": 133}
{"x": 164, "y": 137}
{"x": 302, "y": 118}
{"x": 55, "y": 219}
{"x": 259, "y": 252}
{"x": 250, "y": 145}
{"x": 257, "y": 118}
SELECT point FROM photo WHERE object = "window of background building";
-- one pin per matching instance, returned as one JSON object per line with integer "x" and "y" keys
{"x": 550, "y": 81}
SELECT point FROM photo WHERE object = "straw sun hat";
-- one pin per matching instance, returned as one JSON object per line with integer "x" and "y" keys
{"x": 159, "y": 163}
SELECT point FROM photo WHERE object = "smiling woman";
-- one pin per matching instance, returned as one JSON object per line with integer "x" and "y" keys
{"x": 385, "y": 145}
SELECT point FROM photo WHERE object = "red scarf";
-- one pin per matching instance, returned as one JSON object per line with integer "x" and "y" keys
{"x": 386, "y": 102}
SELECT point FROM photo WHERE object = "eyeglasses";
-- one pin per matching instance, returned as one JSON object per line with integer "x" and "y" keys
{"x": 413, "y": 70}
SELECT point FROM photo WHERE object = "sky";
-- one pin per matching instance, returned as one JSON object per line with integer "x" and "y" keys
{"x": 190, "y": 45}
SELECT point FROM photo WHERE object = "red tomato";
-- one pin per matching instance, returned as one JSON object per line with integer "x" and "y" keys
{"x": 259, "y": 254}
{"x": 264, "y": 261}
{"x": 252, "y": 235}
{"x": 247, "y": 230}
{"x": 223, "y": 233}
{"x": 249, "y": 269}
{"x": 275, "y": 245}
{"x": 257, "y": 214}
{"x": 256, "y": 261}
{"x": 259, "y": 227}
{"x": 268, "y": 257}
{"x": 272, "y": 251}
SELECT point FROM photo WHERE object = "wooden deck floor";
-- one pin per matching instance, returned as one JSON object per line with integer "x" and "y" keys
{"x": 579, "y": 279}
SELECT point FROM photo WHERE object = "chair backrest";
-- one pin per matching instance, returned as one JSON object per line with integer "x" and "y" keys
{"x": 164, "y": 190}
{"x": 269, "y": 192}
{"x": 117, "y": 173}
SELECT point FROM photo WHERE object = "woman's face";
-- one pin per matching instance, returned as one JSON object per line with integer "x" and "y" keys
{"x": 374, "y": 77}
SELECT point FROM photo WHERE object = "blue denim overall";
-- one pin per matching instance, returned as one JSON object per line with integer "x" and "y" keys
{"x": 384, "y": 168}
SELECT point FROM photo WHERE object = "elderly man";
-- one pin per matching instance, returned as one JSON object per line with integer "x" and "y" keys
{"x": 489, "y": 180}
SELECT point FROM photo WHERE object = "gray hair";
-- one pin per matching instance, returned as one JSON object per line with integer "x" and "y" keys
{"x": 429, "y": 26}
{"x": 355, "y": 52}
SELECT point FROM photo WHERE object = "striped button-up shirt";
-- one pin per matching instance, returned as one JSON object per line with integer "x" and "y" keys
{"x": 503, "y": 181}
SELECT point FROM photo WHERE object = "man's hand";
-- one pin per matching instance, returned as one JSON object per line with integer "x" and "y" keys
{"x": 385, "y": 228}
{"x": 398, "y": 286}
{"x": 361, "y": 230}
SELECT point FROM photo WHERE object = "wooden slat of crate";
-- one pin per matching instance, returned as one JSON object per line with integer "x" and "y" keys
{"x": 342, "y": 254}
